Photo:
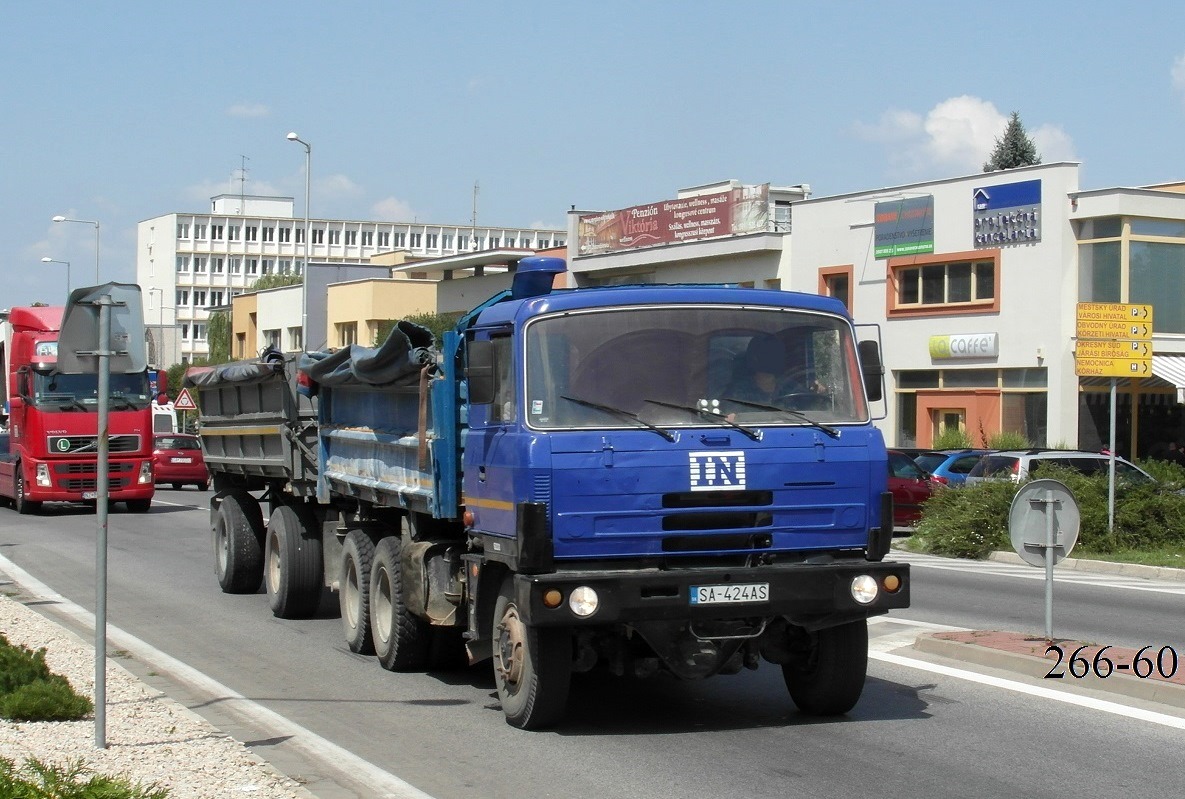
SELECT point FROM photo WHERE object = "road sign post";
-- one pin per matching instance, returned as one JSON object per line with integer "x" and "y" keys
{"x": 1043, "y": 524}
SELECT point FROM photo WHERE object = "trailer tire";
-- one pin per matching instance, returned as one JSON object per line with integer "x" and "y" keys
{"x": 353, "y": 593}
{"x": 23, "y": 506}
{"x": 830, "y": 680}
{"x": 401, "y": 640}
{"x": 532, "y": 665}
{"x": 238, "y": 543}
{"x": 292, "y": 568}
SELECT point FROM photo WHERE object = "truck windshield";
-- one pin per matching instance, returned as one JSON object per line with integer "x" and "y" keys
{"x": 682, "y": 366}
{"x": 72, "y": 393}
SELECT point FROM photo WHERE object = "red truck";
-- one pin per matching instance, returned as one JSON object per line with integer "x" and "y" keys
{"x": 53, "y": 422}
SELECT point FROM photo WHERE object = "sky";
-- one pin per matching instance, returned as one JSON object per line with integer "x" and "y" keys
{"x": 119, "y": 112}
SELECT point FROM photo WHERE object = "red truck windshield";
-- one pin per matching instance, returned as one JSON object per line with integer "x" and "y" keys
{"x": 668, "y": 365}
{"x": 66, "y": 393}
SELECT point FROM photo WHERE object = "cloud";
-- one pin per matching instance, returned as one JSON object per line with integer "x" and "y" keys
{"x": 393, "y": 210}
{"x": 955, "y": 136}
{"x": 248, "y": 110}
{"x": 1178, "y": 73}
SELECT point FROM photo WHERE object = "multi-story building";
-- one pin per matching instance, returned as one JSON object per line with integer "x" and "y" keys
{"x": 188, "y": 263}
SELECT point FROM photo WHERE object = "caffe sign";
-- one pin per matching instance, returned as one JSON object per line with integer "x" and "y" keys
{"x": 965, "y": 345}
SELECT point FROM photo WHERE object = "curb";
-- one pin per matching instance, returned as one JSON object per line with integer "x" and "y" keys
{"x": 1150, "y": 690}
{"x": 1103, "y": 567}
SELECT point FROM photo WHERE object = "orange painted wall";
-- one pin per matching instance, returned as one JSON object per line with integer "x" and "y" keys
{"x": 983, "y": 410}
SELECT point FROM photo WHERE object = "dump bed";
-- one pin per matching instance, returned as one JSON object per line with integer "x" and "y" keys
{"x": 254, "y": 426}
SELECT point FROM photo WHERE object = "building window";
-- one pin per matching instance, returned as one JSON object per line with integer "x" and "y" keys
{"x": 495, "y": 242}
{"x": 400, "y": 239}
{"x": 954, "y": 283}
{"x": 236, "y": 266}
{"x": 478, "y": 243}
{"x": 335, "y": 237}
{"x": 199, "y": 263}
{"x": 271, "y": 338}
{"x": 285, "y": 235}
{"x": 432, "y": 241}
{"x": 417, "y": 240}
{"x": 199, "y": 298}
{"x": 285, "y": 265}
{"x": 252, "y": 233}
{"x": 318, "y": 237}
{"x": 185, "y": 332}
{"x": 347, "y": 333}
{"x": 182, "y": 297}
{"x": 1152, "y": 271}
{"x": 295, "y": 339}
{"x": 269, "y": 234}
{"x": 267, "y": 266}
{"x": 446, "y": 241}
{"x": 462, "y": 242}
{"x": 199, "y": 231}
{"x": 544, "y": 244}
{"x": 300, "y": 235}
{"x": 215, "y": 232}
{"x": 351, "y": 238}
{"x": 384, "y": 239}
{"x": 836, "y": 281}
{"x": 182, "y": 263}
{"x": 368, "y": 238}
{"x": 252, "y": 266}
{"x": 233, "y": 232}
{"x": 216, "y": 265}
{"x": 199, "y": 332}
{"x": 182, "y": 230}
{"x": 215, "y": 299}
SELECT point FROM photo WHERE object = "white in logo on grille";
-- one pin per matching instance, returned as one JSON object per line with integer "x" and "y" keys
{"x": 711, "y": 471}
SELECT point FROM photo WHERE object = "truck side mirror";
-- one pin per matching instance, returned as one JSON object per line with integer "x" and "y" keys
{"x": 481, "y": 372}
{"x": 872, "y": 368}
{"x": 23, "y": 387}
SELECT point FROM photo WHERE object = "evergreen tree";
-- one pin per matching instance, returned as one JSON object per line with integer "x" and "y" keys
{"x": 1013, "y": 149}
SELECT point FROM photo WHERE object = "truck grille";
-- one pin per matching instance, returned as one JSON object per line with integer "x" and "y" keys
{"x": 92, "y": 468}
{"x": 91, "y": 483}
{"x": 68, "y": 445}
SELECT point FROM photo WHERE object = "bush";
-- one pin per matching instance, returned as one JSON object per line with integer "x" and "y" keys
{"x": 966, "y": 522}
{"x": 30, "y": 692}
{"x": 1007, "y": 440}
{"x": 953, "y": 438}
{"x": 37, "y": 780}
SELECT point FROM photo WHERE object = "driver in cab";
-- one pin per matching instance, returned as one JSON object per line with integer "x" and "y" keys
{"x": 760, "y": 376}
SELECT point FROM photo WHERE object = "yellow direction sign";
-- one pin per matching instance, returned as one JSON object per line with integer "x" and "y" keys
{"x": 1114, "y": 320}
{"x": 1113, "y": 367}
{"x": 1113, "y": 349}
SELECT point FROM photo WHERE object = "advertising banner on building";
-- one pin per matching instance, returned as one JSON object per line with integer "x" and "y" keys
{"x": 904, "y": 227}
{"x": 731, "y": 212}
{"x": 1007, "y": 214}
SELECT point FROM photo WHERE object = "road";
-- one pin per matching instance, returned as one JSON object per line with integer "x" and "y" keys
{"x": 917, "y": 730}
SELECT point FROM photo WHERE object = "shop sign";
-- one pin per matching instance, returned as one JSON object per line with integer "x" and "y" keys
{"x": 904, "y": 227}
{"x": 1009, "y": 213}
{"x": 731, "y": 212}
{"x": 966, "y": 345}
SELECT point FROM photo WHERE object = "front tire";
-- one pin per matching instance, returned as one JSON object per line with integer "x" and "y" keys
{"x": 532, "y": 665}
{"x": 238, "y": 543}
{"x": 23, "y": 506}
{"x": 401, "y": 640}
{"x": 353, "y": 594}
{"x": 829, "y": 681}
{"x": 293, "y": 570}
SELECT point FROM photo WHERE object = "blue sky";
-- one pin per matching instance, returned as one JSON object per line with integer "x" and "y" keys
{"x": 120, "y": 112}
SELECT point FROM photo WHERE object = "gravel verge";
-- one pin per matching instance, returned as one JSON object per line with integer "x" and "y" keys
{"x": 151, "y": 739}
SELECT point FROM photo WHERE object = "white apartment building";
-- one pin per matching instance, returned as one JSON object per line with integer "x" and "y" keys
{"x": 189, "y": 263}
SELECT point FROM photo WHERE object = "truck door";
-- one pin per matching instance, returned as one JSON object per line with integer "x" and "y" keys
{"x": 493, "y": 461}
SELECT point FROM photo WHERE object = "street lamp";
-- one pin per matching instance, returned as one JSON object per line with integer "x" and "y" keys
{"x": 48, "y": 260}
{"x": 86, "y": 222}
{"x": 304, "y": 275}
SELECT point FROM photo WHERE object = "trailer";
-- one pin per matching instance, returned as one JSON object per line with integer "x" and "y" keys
{"x": 570, "y": 481}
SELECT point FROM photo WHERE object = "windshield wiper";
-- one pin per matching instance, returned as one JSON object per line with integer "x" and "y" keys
{"x": 123, "y": 402}
{"x": 633, "y": 417}
{"x": 64, "y": 401}
{"x": 704, "y": 412}
{"x": 831, "y": 431}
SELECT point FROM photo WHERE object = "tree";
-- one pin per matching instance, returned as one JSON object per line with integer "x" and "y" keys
{"x": 218, "y": 336}
{"x": 1013, "y": 149}
{"x": 275, "y": 280}
{"x": 437, "y": 323}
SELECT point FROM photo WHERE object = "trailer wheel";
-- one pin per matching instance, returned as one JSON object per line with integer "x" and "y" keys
{"x": 401, "y": 640}
{"x": 238, "y": 543}
{"x": 532, "y": 666}
{"x": 354, "y": 591}
{"x": 22, "y": 505}
{"x": 829, "y": 681}
{"x": 292, "y": 567}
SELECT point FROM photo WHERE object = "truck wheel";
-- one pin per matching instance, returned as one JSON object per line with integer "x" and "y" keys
{"x": 22, "y": 505}
{"x": 532, "y": 666}
{"x": 353, "y": 593}
{"x": 292, "y": 567}
{"x": 400, "y": 639}
{"x": 238, "y": 543}
{"x": 139, "y": 505}
{"x": 830, "y": 680}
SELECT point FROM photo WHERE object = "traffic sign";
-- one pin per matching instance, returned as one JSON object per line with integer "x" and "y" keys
{"x": 184, "y": 401}
{"x": 1113, "y": 349}
{"x": 1112, "y": 367}
{"x": 1114, "y": 320}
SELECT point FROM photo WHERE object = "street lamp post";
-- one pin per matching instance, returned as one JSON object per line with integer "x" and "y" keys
{"x": 304, "y": 275}
{"x": 87, "y": 222}
{"x": 48, "y": 260}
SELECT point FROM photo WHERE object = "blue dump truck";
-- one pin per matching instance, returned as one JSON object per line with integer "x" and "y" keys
{"x": 572, "y": 480}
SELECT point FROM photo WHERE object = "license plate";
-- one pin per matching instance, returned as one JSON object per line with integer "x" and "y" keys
{"x": 90, "y": 494}
{"x": 728, "y": 594}
{"x": 181, "y": 460}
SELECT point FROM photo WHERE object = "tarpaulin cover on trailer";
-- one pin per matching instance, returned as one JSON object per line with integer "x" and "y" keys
{"x": 398, "y": 360}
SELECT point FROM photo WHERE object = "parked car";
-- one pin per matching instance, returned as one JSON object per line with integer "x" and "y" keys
{"x": 949, "y": 466}
{"x": 910, "y": 487}
{"x": 1021, "y": 465}
{"x": 178, "y": 459}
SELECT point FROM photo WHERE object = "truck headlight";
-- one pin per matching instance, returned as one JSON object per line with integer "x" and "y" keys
{"x": 145, "y": 473}
{"x": 583, "y": 601}
{"x": 864, "y": 589}
{"x": 43, "y": 475}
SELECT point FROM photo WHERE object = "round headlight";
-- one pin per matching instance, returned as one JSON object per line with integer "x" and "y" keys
{"x": 864, "y": 589}
{"x": 583, "y": 601}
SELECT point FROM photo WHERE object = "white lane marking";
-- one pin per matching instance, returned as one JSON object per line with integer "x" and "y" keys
{"x": 1034, "y": 690}
{"x": 1033, "y": 573}
{"x": 382, "y": 782}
